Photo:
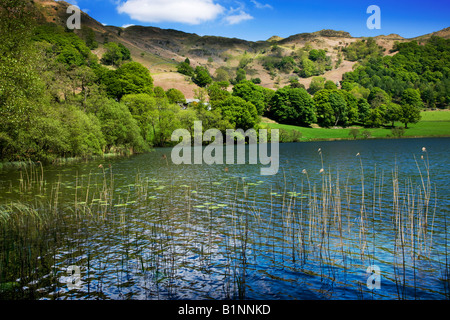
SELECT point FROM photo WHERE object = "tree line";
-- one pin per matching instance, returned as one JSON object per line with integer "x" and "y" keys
{"x": 58, "y": 99}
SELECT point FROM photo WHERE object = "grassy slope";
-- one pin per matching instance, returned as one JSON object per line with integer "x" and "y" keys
{"x": 433, "y": 124}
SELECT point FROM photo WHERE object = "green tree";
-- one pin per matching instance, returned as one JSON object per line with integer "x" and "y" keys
{"x": 240, "y": 113}
{"x": 363, "y": 49}
{"x": 143, "y": 109}
{"x": 377, "y": 116}
{"x": 89, "y": 37}
{"x": 339, "y": 106}
{"x": 85, "y": 134}
{"x": 218, "y": 92}
{"x": 331, "y": 108}
{"x": 175, "y": 96}
{"x": 330, "y": 85}
{"x": 21, "y": 90}
{"x": 126, "y": 54}
{"x": 167, "y": 121}
{"x": 308, "y": 68}
{"x": 159, "y": 92}
{"x": 222, "y": 75}
{"x": 317, "y": 84}
{"x": 251, "y": 92}
{"x": 113, "y": 55}
{"x": 351, "y": 109}
{"x": 393, "y": 113}
{"x": 185, "y": 68}
{"x": 363, "y": 110}
{"x": 411, "y": 105}
{"x": 377, "y": 97}
{"x": 241, "y": 75}
{"x": 293, "y": 106}
{"x": 315, "y": 55}
{"x": 202, "y": 77}
{"x": 120, "y": 129}
{"x": 131, "y": 77}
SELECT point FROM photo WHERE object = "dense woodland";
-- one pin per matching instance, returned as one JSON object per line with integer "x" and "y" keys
{"x": 58, "y": 99}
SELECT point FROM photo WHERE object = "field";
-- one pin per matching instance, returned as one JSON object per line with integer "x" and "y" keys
{"x": 433, "y": 124}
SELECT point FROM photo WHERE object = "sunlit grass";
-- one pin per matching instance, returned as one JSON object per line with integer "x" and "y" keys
{"x": 433, "y": 124}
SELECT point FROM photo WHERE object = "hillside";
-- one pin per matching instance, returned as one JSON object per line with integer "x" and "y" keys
{"x": 160, "y": 50}
{"x": 58, "y": 100}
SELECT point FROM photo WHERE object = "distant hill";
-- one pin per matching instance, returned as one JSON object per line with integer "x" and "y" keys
{"x": 161, "y": 49}
{"x": 444, "y": 33}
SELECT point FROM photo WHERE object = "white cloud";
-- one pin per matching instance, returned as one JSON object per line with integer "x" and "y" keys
{"x": 259, "y": 5}
{"x": 127, "y": 25}
{"x": 182, "y": 11}
{"x": 238, "y": 18}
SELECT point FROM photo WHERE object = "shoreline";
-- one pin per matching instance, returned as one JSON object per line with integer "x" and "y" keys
{"x": 68, "y": 161}
{"x": 376, "y": 138}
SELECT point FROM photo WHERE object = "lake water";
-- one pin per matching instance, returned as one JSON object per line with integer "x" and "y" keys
{"x": 143, "y": 228}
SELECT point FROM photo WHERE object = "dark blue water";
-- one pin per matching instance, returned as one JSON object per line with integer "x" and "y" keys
{"x": 143, "y": 228}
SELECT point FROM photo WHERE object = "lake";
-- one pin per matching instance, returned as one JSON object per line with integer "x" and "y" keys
{"x": 371, "y": 225}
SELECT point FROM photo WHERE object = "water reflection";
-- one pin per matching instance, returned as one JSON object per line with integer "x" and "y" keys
{"x": 143, "y": 228}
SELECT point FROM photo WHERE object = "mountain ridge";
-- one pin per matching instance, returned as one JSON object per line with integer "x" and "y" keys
{"x": 160, "y": 50}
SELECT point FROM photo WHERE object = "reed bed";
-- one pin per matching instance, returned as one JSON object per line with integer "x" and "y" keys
{"x": 315, "y": 233}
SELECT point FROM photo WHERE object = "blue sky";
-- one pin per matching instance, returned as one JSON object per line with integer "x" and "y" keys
{"x": 260, "y": 19}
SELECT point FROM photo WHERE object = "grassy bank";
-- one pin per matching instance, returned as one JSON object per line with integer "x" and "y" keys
{"x": 433, "y": 124}
{"x": 59, "y": 161}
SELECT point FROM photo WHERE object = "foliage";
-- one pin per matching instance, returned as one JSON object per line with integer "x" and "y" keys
{"x": 393, "y": 113}
{"x": 130, "y": 78}
{"x": 221, "y": 75}
{"x": 89, "y": 37}
{"x": 335, "y": 107}
{"x": 175, "y": 96}
{"x": 411, "y": 104}
{"x": 414, "y": 66}
{"x": 240, "y": 113}
{"x": 185, "y": 68}
{"x": 330, "y": 85}
{"x": 159, "y": 92}
{"x": 362, "y": 49}
{"x": 143, "y": 109}
{"x": 317, "y": 84}
{"x": 290, "y": 136}
{"x": 241, "y": 75}
{"x": 202, "y": 77}
{"x": 218, "y": 92}
{"x": 354, "y": 133}
{"x": 363, "y": 110}
{"x": 69, "y": 49}
{"x": 398, "y": 132}
{"x": 251, "y": 92}
{"x": 308, "y": 68}
{"x": 115, "y": 54}
{"x": 292, "y": 106}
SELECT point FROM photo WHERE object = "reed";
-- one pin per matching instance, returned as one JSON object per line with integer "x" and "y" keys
{"x": 324, "y": 224}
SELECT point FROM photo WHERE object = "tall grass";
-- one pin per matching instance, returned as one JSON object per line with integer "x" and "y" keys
{"x": 151, "y": 233}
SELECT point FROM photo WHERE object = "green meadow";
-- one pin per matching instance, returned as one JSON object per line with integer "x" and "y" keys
{"x": 432, "y": 124}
